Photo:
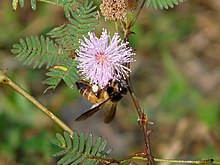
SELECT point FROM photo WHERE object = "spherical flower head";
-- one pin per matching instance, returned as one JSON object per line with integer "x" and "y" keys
{"x": 102, "y": 59}
{"x": 117, "y": 9}
{"x": 114, "y": 10}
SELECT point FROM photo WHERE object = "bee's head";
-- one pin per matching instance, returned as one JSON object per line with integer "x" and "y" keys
{"x": 115, "y": 86}
{"x": 122, "y": 87}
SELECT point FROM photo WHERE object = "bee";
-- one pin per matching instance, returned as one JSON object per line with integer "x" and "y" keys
{"x": 110, "y": 94}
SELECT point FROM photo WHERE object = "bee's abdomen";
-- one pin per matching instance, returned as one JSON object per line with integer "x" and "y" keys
{"x": 86, "y": 90}
{"x": 81, "y": 85}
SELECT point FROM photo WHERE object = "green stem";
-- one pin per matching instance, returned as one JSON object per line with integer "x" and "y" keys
{"x": 6, "y": 80}
{"x": 138, "y": 13}
{"x": 53, "y": 3}
{"x": 50, "y": 2}
{"x": 144, "y": 122}
{"x": 205, "y": 161}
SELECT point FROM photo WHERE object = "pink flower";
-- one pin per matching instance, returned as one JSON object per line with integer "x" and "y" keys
{"x": 102, "y": 59}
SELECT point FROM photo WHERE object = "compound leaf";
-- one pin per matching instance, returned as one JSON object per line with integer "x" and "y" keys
{"x": 82, "y": 151}
{"x": 82, "y": 20}
{"x": 163, "y": 3}
{"x": 66, "y": 71}
{"x": 37, "y": 51}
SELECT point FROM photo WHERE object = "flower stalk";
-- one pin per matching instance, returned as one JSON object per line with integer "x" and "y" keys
{"x": 143, "y": 120}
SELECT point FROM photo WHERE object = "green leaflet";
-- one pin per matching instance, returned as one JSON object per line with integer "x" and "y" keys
{"x": 21, "y": 3}
{"x": 82, "y": 20}
{"x": 37, "y": 51}
{"x": 66, "y": 71}
{"x": 77, "y": 149}
{"x": 163, "y": 3}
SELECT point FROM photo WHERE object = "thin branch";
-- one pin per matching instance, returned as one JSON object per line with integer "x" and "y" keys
{"x": 132, "y": 158}
{"x": 204, "y": 161}
{"x": 143, "y": 118}
{"x": 138, "y": 13}
{"x": 7, "y": 81}
{"x": 56, "y": 3}
{"x": 50, "y": 2}
{"x": 116, "y": 26}
{"x": 143, "y": 122}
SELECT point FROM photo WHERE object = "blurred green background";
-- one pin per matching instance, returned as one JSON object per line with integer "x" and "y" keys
{"x": 176, "y": 78}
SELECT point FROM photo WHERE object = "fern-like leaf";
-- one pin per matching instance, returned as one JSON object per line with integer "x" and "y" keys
{"x": 21, "y": 4}
{"x": 66, "y": 71}
{"x": 38, "y": 51}
{"x": 163, "y": 3}
{"x": 83, "y": 19}
{"x": 63, "y": 3}
{"x": 77, "y": 149}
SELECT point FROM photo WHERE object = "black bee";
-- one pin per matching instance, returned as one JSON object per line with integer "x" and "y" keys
{"x": 110, "y": 94}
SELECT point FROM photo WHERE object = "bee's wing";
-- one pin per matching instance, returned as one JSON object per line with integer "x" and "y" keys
{"x": 110, "y": 114}
{"x": 91, "y": 111}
